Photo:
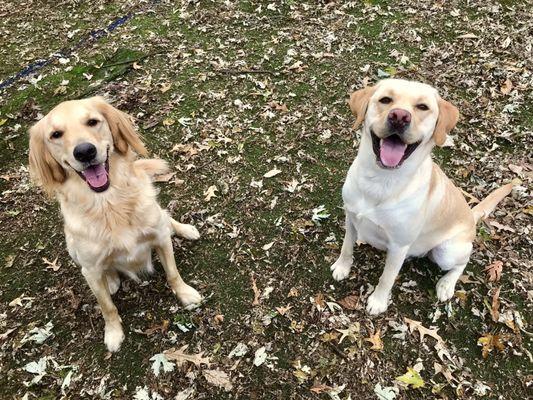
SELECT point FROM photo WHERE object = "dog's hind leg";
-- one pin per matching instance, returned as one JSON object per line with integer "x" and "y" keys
{"x": 113, "y": 280}
{"x": 341, "y": 267}
{"x": 185, "y": 230}
{"x": 451, "y": 256}
{"x": 185, "y": 293}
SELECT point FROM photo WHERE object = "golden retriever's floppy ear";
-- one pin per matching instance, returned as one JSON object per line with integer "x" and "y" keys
{"x": 124, "y": 135}
{"x": 44, "y": 170}
{"x": 448, "y": 117}
{"x": 359, "y": 103}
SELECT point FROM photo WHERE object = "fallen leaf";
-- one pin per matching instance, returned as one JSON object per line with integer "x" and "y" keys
{"x": 238, "y": 351}
{"x": 495, "y": 308}
{"x": 4, "y": 336}
{"x": 490, "y": 342}
{"x": 165, "y": 87}
{"x": 445, "y": 371}
{"x": 507, "y": 86}
{"x": 268, "y": 246}
{"x": 494, "y": 271}
{"x": 375, "y": 339}
{"x": 218, "y": 378}
{"x": 385, "y": 393}
{"x": 164, "y": 177}
{"x": 411, "y": 378}
{"x": 210, "y": 192}
{"x": 185, "y": 394}
{"x": 38, "y": 335}
{"x": 350, "y": 302}
{"x": 260, "y": 356}
{"x": 272, "y": 173}
{"x": 352, "y": 332}
{"x": 180, "y": 357}
{"x": 283, "y": 310}
{"x": 320, "y": 388}
{"x": 257, "y": 293}
{"x": 160, "y": 360}
{"x": 417, "y": 325}
{"x": 163, "y": 327}
{"x": 53, "y": 265}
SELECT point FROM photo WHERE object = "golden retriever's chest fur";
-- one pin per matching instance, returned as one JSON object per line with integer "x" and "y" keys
{"x": 116, "y": 227}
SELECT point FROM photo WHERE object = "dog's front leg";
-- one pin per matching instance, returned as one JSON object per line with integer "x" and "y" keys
{"x": 97, "y": 281}
{"x": 186, "y": 294}
{"x": 378, "y": 300}
{"x": 341, "y": 267}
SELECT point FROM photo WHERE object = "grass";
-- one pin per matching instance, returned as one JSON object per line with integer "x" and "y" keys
{"x": 199, "y": 50}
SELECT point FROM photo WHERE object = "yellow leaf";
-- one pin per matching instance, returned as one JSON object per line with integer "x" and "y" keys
{"x": 490, "y": 342}
{"x": 2, "y": 121}
{"x": 412, "y": 378}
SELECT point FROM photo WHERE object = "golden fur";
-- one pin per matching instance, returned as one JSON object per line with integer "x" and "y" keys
{"x": 114, "y": 230}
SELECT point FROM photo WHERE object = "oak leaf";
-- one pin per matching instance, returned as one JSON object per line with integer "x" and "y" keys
{"x": 180, "y": 357}
{"x": 494, "y": 271}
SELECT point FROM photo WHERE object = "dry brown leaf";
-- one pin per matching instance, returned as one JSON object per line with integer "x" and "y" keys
{"x": 163, "y": 327}
{"x": 494, "y": 271}
{"x": 490, "y": 342}
{"x": 320, "y": 301}
{"x": 181, "y": 357}
{"x": 320, "y": 388}
{"x": 375, "y": 339}
{"x": 423, "y": 331}
{"x": 293, "y": 292}
{"x": 507, "y": 86}
{"x": 164, "y": 177}
{"x": 283, "y": 310}
{"x": 218, "y": 378}
{"x": 257, "y": 293}
{"x": 349, "y": 302}
{"x": 495, "y": 309}
{"x": 53, "y": 265}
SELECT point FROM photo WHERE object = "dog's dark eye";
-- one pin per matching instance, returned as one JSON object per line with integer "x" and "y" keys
{"x": 422, "y": 107}
{"x": 56, "y": 134}
{"x": 92, "y": 122}
{"x": 385, "y": 100}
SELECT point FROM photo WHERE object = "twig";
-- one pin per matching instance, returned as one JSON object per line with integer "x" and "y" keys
{"x": 248, "y": 71}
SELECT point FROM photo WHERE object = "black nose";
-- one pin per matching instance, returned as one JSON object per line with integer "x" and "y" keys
{"x": 85, "y": 152}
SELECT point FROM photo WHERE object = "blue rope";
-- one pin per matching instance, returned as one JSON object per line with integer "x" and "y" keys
{"x": 93, "y": 36}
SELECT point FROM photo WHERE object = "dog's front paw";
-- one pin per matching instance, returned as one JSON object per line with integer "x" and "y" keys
{"x": 114, "y": 336}
{"x": 341, "y": 270}
{"x": 376, "y": 304}
{"x": 189, "y": 232}
{"x": 188, "y": 295}
{"x": 445, "y": 288}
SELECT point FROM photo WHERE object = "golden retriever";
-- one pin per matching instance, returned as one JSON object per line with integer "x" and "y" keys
{"x": 84, "y": 153}
{"x": 396, "y": 198}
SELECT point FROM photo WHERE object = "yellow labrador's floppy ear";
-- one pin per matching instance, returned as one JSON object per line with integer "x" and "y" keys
{"x": 124, "y": 134}
{"x": 44, "y": 170}
{"x": 359, "y": 103}
{"x": 448, "y": 117}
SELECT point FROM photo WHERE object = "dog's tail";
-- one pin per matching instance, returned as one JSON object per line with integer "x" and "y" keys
{"x": 152, "y": 166}
{"x": 487, "y": 205}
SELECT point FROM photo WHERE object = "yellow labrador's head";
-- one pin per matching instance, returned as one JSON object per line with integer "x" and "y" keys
{"x": 78, "y": 136}
{"x": 401, "y": 115}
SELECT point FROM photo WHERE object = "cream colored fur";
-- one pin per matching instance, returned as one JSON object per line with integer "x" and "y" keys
{"x": 412, "y": 210}
{"x": 115, "y": 230}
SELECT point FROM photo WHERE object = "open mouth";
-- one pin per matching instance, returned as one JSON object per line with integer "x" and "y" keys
{"x": 391, "y": 151}
{"x": 96, "y": 176}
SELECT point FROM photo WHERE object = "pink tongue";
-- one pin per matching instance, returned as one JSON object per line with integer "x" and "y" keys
{"x": 391, "y": 151}
{"x": 96, "y": 175}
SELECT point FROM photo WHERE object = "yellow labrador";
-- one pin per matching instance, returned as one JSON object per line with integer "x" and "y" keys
{"x": 396, "y": 198}
{"x": 84, "y": 153}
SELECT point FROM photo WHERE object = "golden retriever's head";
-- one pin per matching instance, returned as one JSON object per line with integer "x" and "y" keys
{"x": 401, "y": 115}
{"x": 76, "y": 138}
